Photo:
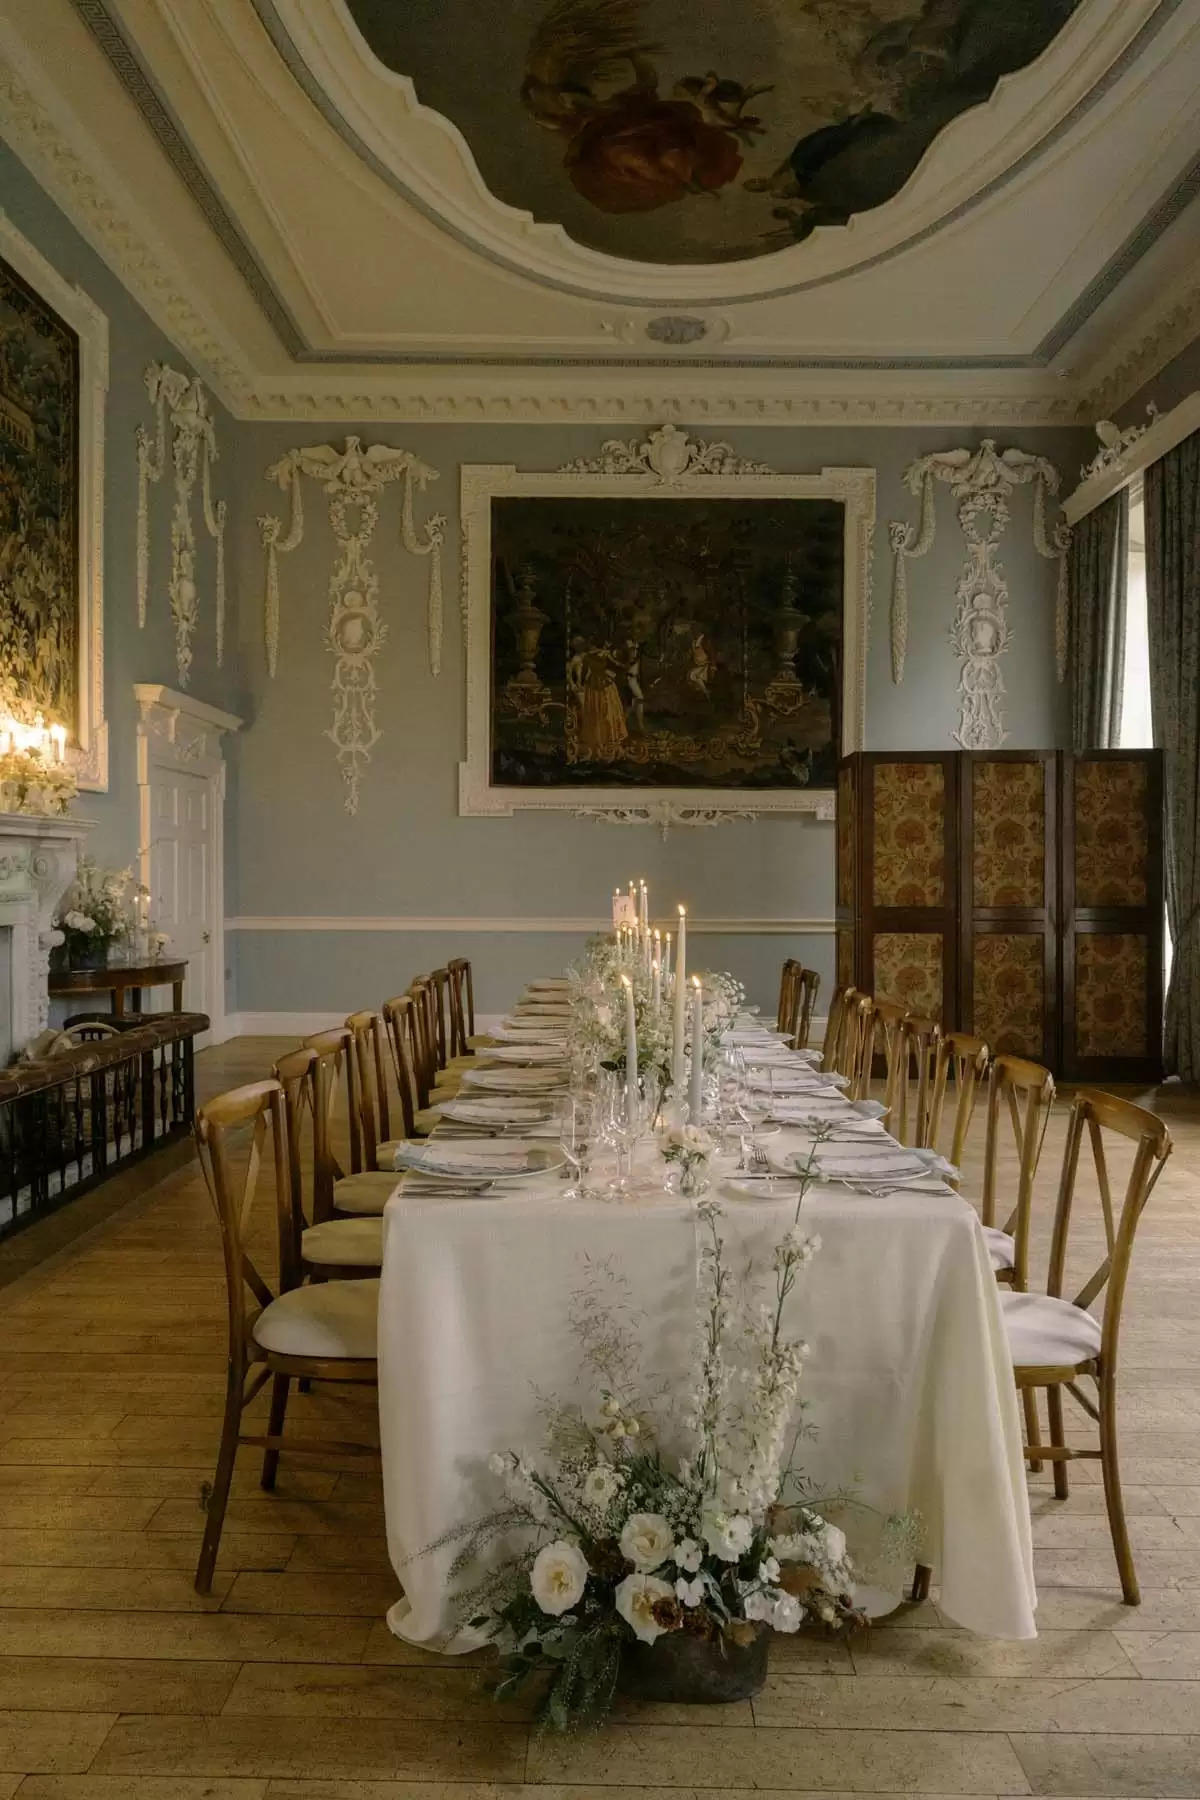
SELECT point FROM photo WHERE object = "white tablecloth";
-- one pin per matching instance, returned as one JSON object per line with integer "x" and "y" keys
{"x": 909, "y": 1382}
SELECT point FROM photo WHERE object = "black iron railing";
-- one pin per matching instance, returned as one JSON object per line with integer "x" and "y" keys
{"x": 76, "y": 1118}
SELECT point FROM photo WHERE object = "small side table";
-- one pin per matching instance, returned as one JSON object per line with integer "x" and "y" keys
{"x": 119, "y": 979}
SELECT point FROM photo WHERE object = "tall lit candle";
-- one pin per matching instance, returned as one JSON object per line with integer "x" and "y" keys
{"x": 667, "y": 954}
{"x": 631, "y": 1052}
{"x": 58, "y": 738}
{"x": 656, "y": 979}
{"x": 644, "y": 906}
{"x": 616, "y": 909}
{"x": 677, "y": 1060}
{"x": 697, "y": 1094}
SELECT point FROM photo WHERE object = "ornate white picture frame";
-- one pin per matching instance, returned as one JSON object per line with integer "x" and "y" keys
{"x": 668, "y": 464}
{"x": 89, "y": 757}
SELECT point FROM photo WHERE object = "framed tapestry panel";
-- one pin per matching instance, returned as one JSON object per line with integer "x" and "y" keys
{"x": 667, "y": 630}
{"x": 53, "y": 382}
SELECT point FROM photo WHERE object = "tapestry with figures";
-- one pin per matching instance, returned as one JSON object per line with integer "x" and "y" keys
{"x": 39, "y": 507}
{"x": 666, "y": 643}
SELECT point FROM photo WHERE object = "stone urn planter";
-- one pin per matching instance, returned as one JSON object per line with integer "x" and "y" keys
{"x": 692, "y": 1671}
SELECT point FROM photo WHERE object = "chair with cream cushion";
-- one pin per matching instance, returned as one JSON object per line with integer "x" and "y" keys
{"x": 1056, "y": 1342}
{"x": 325, "y": 1331}
{"x": 401, "y": 1030}
{"x": 329, "y": 1247}
{"x": 336, "y": 1074}
{"x": 462, "y": 1000}
{"x": 374, "y": 1116}
{"x": 1022, "y": 1093}
{"x": 910, "y": 1079}
{"x": 963, "y": 1060}
{"x": 835, "y": 1025}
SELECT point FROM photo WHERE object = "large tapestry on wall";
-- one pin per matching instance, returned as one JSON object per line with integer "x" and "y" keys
{"x": 675, "y": 133}
{"x": 39, "y": 506}
{"x": 666, "y": 643}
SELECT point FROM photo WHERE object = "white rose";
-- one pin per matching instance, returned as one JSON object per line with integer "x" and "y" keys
{"x": 833, "y": 1543}
{"x": 498, "y": 1463}
{"x": 688, "y": 1555}
{"x": 759, "y": 1606}
{"x": 558, "y": 1576}
{"x": 646, "y": 1540}
{"x": 600, "y": 1484}
{"x": 768, "y": 1570}
{"x": 727, "y": 1535}
{"x": 691, "y": 1593}
{"x": 635, "y": 1598}
{"x": 787, "y": 1613}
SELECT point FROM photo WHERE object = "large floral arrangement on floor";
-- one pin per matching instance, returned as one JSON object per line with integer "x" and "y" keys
{"x": 622, "y": 1542}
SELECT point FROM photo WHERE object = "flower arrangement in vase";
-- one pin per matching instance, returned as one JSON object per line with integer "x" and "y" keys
{"x": 30, "y": 784}
{"x": 94, "y": 914}
{"x": 687, "y": 1150}
{"x": 662, "y": 1573}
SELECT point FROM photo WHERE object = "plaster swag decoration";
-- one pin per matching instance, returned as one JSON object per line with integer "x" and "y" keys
{"x": 982, "y": 482}
{"x": 1114, "y": 443}
{"x": 193, "y": 452}
{"x": 353, "y": 480}
{"x": 668, "y": 455}
{"x": 666, "y": 813}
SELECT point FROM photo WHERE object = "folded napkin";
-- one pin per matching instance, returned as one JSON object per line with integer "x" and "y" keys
{"x": 870, "y": 1161}
{"x": 496, "y": 1109}
{"x": 526, "y": 1053}
{"x": 486, "y": 1161}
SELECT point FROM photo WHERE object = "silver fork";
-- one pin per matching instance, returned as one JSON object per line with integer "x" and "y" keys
{"x": 758, "y": 1156}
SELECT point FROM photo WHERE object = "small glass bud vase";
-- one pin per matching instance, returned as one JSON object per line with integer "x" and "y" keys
{"x": 687, "y": 1176}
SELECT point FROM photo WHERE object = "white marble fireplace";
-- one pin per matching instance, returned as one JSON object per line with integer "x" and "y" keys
{"x": 37, "y": 865}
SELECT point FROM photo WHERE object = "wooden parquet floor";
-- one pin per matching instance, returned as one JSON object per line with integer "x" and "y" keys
{"x": 118, "y": 1683}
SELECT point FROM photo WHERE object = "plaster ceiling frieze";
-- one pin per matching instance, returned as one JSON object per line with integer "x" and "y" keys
{"x": 1141, "y": 354}
{"x": 181, "y": 399}
{"x": 353, "y": 480}
{"x": 664, "y": 814}
{"x": 981, "y": 482}
{"x": 77, "y": 183}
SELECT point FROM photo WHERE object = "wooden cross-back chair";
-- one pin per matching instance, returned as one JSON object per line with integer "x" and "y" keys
{"x": 787, "y": 1005}
{"x": 424, "y": 1037}
{"x": 965, "y": 1060}
{"x": 808, "y": 983}
{"x": 399, "y": 1029}
{"x": 1020, "y": 1093}
{"x": 334, "y": 1050}
{"x": 911, "y": 1080}
{"x": 1056, "y": 1342}
{"x": 336, "y": 1192}
{"x": 322, "y": 1332}
{"x": 843, "y": 1000}
{"x": 330, "y": 1248}
{"x": 375, "y": 1124}
{"x": 878, "y": 1036}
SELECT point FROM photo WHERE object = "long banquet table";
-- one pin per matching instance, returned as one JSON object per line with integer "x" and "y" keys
{"x": 908, "y": 1384}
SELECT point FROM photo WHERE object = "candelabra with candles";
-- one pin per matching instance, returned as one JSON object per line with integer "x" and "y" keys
{"x": 34, "y": 777}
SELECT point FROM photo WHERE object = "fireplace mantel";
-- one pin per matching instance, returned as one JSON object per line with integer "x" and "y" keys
{"x": 38, "y": 857}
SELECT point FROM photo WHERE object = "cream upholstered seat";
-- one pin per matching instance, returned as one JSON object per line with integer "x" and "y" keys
{"x": 353, "y": 1243}
{"x": 1001, "y": 1247}
{"x": 328, "y": 1318}
{"x": 366, "y": 1194}
{"x": 1049, "y": 1333}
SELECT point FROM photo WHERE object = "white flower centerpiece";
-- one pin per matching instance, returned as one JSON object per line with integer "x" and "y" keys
{"x": 94, "y": 914}
{"x": 664, "y": 1570}
{"x": 689, "y": 1149}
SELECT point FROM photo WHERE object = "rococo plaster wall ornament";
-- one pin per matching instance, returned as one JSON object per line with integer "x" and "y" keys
{"x": 193, "y": 452}
{"x": 353, "y": 480}
{"x": 981, "y": 481}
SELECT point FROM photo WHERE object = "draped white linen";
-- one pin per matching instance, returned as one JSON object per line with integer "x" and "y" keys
{"x": 908, "y": 1385}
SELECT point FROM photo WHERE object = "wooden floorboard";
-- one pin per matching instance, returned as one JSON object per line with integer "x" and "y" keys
{"x": 117, "y": 1682}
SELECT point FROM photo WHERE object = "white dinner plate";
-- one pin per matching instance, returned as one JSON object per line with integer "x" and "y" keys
{"x": 516, "y": 1081}
{"x": 488, "y": 1162}
{"x": 549, "y": 1054}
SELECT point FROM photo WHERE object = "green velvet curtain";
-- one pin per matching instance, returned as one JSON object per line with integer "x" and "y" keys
{"x": 1097, "y": 575}
{"x": 1172, "y": 502}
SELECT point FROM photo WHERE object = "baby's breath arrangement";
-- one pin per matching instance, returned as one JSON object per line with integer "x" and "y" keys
{"x": 613, "y": 1541}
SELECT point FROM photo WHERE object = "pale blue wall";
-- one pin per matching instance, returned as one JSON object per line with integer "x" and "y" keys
{"x": 130, "y": 654}
{"x": 407, "y": 853}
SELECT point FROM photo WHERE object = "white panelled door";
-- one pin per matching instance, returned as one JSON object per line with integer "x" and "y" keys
{"x": 181, "y": 884}
{"x": 181, "y": 783}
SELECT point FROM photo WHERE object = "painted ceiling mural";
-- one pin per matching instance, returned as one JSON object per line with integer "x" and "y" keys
{"x": 696, "y": 131}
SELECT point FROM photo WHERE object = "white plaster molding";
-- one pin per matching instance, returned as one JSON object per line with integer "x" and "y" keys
{"x": 982, "y": 482}
{"x": 88, "y": 756}
{"x": 38, "y": 858}
{"x": 1138, "y": 354}
{"x": 1115, "y": 446}
{"x": 182, "y": 399}
{"x": 668, "y": 464}
{"x": 1167, "y": 430}
{"x": 353, "y": 479}
{"x": 667, "y": 813}
{"x": 819, "y": 926}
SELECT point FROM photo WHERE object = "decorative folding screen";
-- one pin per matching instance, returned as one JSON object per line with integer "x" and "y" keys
{"x": 1016, "y": 894}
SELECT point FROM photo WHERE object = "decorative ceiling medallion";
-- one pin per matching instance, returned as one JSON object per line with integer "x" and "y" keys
{"x": 661, "y": 133}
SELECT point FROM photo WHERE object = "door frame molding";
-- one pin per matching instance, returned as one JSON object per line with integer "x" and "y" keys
{"x": 177, "y": 732}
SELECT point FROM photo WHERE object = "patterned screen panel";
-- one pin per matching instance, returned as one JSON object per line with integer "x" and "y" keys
{"x": 908, "y": 968}
{"x": 1110, "y": 994}
{"x": 1111, "y": 842}
{"x": 909, "y": 818}
{"x": 845, "y": 838}
{"x": 1008, "y": 851}
{"x": 1008, "y": 979}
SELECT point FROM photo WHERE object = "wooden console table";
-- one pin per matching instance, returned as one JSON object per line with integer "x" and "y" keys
{"x": 119, "y": 979}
